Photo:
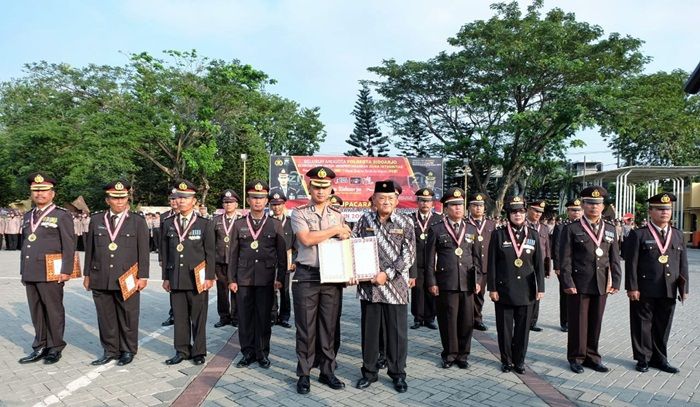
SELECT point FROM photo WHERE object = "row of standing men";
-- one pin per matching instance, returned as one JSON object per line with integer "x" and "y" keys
{"x": 259, "y": 256}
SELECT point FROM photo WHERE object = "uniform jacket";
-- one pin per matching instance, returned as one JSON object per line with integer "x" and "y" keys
{"x": 543, "y": 233}
{"x": 486, "y": 232}
{"x": 515, "y": 285}
{"x": 645, "y": 274}
{"x": 223, "y": 249}
{"x": 55, "y": 234}
{"x": 579, "y": 265}
{"x": 554, "y": 241}
{"x": 421, "y": 245}
{"x": 103, "y": 266}
{"x": 449, "y": 271}
{"x": 200, "y": 246}
{"x": 261, "y": 266}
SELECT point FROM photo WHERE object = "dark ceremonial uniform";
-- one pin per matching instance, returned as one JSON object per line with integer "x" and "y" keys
{"x": 255, "y": 267}
{"x": 54, "y": 234}
{"x": 189, "y": 306}
{"x": 517, "y": 288}
{"x": 118, "y": 320}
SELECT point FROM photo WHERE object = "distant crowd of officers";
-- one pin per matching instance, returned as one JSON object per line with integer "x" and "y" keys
{"x": 443, "y": 264}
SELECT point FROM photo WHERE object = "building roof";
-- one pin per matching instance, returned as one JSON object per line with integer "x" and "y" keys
{"x": 642, "y": 174}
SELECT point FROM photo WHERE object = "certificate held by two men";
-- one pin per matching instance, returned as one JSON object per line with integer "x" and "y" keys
{"x": 342, "y": 260}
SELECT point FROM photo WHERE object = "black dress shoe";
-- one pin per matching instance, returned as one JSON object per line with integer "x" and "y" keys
{"x": 284, "y": 324}
{"x": 234, "y": 324}
{"x": 103, "y": 360}
{"x": 198, "y": 360}
{"x": 364, "y": 383}
{"x": 221, "y": 323}
{"x": 506, "y": 367}
{"x": 34, "y": 356}
{"x": 446, "y": 364}
{"x": 303, "y": 385}
{"x": 598, "y": 367}
{"x": 519, "y": 368}
{"x": 642, "y": 367}
{"x": 168, "y": 322}
{"x": 564, "y": 328}
{"x": 481, "y": 327}
{"x": 576, "y": 367}
{"x": 264, "y": 362}
{"x": 381, "y": 363}
{"x": 430, "y": 325}
{"x": 244, "y": 362}
{"x": 416, "y": 325}
{"x": 400, "y": 385}
{"x": 175, "y": 359}
{"x": 52, "y": 358}
{"x": 535, "y": 328}
{"x": 664, "y": 367}
{"x": 125, "y": 358}
{"x": 331, "y": 381}
{"x": 462, "y": 364}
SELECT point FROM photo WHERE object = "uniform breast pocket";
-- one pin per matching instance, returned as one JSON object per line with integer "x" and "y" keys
{"x": 580, "y": 239}
{"x": 444, "y": 241}
{"x": 100, "y": 239}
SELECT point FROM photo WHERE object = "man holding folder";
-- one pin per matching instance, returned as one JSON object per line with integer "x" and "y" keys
{"x": 47, "y": 229}
{"x": 117, "y": 240}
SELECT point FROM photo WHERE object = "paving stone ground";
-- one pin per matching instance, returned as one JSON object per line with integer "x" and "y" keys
{"x": 149, "y": 382}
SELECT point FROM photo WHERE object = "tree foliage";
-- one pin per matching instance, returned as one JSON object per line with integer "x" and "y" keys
{"x": 514, "y": 92}
{"x": 366, "y": 139}
{"x": 152, "y": 120}
{"x": 651, "y": 121}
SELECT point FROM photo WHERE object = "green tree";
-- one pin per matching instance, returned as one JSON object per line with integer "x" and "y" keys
{"x": 413, "y": 139}
{"x": 514, "y": 92}
{"x": 366, "y": 139}
{"x": 652, "y": 121}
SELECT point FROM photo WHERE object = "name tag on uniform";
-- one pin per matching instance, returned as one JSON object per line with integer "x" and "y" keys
{"x": 101, "y": 227}
{"x": 369, "y": 229}
{"x": 529, "y": 246}
{"x": 396, "y": 231}
{"x": 196, "y": 237}
{"x": 608, "y": 239}
{"x": 507, "y": 244}
{"x": 649, "y": 241}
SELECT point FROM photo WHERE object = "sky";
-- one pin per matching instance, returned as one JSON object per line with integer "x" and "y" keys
{"x": 318, "y": 51}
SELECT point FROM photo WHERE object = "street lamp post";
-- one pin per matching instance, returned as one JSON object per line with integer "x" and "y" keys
{"x": 244, "y": 158}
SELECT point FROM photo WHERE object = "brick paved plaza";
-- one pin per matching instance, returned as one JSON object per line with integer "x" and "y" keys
{"x": 148, "y": 381}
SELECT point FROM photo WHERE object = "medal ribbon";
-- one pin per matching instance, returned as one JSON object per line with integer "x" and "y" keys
{"x": 663, "y": 249}
{"x": 518, "y": 249}
{"x": 108, "y": 225}
{"x": 250, "y": 226}
{"x": 182, "y": 236}
{"x": 34, "y": 226}
{"x": 452, "y": 233}
{"x": 230, "y": 226}
{"x": 423, "y": 227}
{"x": 597, "y": 240}
{"x": 478, "y": 229}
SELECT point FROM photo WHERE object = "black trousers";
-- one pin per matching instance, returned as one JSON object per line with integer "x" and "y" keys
{"x": 316, "y": 309}
{"x": 48, "y": 315}
{"x": 225, "y": 299}
{"x": 650, "y": 326}
{"x": 190, "y": 314}
{"x": 455, "y": 315}
{"x": 118, "y": 321}
{"x": 585, "y": 320}
{"x": 254, "y": 328}
{"x": 535, "y": 313}
{"x": 563, "y": 306}
{"x": 422, "y": 304}
{"x": 392, "y": 319}
{"x": 12, "y": 242}
{"x": 513, "y": 327}
{"x": 282, "y": 306}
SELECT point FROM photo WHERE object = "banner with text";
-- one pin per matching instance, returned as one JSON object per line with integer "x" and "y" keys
{"x": 355, "y": 178}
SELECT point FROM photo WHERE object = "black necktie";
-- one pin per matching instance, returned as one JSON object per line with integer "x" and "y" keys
{"x": 113, "y": 222}
{"x": 663, "y": 235}
{"x": 37, "y": 214}
{"x": 456, "y": 227}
